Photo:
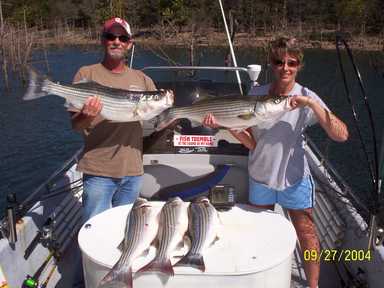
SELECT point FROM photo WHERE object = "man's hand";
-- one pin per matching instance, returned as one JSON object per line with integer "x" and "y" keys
{"x": 83, "y": 119}
{"x": 210, "y": 121}
{"x": 92, "y": 107}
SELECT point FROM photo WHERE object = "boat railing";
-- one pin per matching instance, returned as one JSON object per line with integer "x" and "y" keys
{"x": 16, "y": 211}
{"x": 48, "y": 186}
{"x": 334, "y": 179}
{"x": 253, "y": 71}
{"x": 175, "y": 68}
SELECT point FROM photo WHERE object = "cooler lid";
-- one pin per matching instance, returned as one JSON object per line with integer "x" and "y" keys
{"x": 250, "y": 240}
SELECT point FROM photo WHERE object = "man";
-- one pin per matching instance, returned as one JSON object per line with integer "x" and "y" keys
{"x": 111, "y": 161}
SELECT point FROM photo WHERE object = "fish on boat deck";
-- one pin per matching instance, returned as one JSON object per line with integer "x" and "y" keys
{"x": 118, "y": 105}
{"x": 203, "y": 224}
{"x": 172, "y": 228}
{"x": 236, "y": 112}
{"x": 140, "y": 231}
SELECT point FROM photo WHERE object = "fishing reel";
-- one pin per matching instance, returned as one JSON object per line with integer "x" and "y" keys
{"x": 379, "y": 241}
{"x": 8, "y": 224}
{"x": 30, "y": 282}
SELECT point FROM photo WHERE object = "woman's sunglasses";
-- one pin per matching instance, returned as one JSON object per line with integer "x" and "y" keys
{"x": 290, "y": 63}
{"x": 112, "y": 37}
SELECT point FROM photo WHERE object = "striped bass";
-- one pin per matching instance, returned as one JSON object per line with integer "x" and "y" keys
{"x": 140, "y": 231}
{"x": 118, "y": 105}
{"x": 173, "y": 226}
{"x": 237, "y": 112}
{"x": 203, "y": 224}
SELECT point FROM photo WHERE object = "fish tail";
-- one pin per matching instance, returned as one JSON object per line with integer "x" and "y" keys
{"x": 192, "y": 260}
{"x": 36, "y": 86}
{"x": 163, "y": 266}
{"x": 118, "y": 277}
{"x": 164, "y": 119}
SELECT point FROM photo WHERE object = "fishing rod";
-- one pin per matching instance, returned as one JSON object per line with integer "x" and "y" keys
{"x": 380, "y": 230}
{"x": 57, "y": 250}
{"x": 32, "y": 281}
{"x": 333, "y": 174}
{"x": 42, "y": 189}
{"x": 15, "y": 210}
{"x": 373, "y": 168}
{"x": 52, "y": 261}
{"x": 231, "y": 48}
{"x": 21, "y": 208}
{"x": 233, "y": 26}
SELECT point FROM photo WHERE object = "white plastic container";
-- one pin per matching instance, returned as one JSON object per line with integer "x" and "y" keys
{"x": 253, "y": 72}
{"x": 254, "y": 250}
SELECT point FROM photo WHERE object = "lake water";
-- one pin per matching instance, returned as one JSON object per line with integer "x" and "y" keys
{"x": 36, "y": 136}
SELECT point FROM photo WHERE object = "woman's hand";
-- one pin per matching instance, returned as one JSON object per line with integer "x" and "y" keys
{"x": 245, "y": 137}
{"x": 300, "y": 101}
{"x": 335, "y": 128}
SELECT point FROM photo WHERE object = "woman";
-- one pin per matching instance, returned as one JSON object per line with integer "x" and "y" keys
{"x": 278, "y": 169}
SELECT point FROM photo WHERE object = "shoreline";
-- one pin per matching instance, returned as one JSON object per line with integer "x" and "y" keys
{"x": 215, "y": 39}
{"x": 243, "y": 40}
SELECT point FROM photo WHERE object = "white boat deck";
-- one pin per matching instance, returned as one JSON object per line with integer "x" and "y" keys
{"x": 161, "y": 165}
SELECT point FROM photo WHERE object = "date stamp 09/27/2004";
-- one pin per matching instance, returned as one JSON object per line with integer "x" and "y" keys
{"x": 336, "y": 255}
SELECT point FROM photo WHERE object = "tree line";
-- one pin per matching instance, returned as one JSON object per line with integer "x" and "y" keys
{"x": 258, "y": 17}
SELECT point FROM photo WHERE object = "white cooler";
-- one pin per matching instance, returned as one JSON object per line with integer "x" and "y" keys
{"x": 254, "y": 249}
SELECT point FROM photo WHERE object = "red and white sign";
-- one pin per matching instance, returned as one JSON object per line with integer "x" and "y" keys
{"x": 194, "y": 140}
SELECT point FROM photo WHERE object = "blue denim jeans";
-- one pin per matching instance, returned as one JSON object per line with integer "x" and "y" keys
{"x": 101, "y": 193}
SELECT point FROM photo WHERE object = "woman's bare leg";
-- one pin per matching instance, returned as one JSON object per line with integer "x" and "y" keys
{"x": 306, "y": 232}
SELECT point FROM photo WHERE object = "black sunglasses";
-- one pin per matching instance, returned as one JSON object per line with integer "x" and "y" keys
{"x": 111, "y": 37}
{"x": 290, "y": 63}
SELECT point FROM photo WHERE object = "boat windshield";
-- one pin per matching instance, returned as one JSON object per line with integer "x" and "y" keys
{"x": 190, "y": 84}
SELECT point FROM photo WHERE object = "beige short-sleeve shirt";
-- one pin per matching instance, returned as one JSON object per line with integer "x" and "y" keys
{"x": 113, "y": 149}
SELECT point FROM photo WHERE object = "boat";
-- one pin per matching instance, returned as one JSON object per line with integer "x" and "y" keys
{"x": 39, "y": 240}
{"x": 40, "y": 236}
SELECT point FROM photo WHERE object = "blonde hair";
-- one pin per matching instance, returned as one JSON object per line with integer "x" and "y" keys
{"x": 285, "y": 45}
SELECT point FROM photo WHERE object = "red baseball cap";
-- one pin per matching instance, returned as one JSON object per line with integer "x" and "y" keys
{"x": 117, "y": 21}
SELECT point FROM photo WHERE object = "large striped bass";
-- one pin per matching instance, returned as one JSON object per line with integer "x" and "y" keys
{"x": 203, "y": 224}
{"x": 118, "y": 105}
{"x": 173, "y": 226}
{"x": 140, "y": 231}
{"x": 238, "y": 112}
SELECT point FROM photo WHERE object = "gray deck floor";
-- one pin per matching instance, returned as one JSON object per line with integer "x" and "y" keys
{"x": 328, "y": 275}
